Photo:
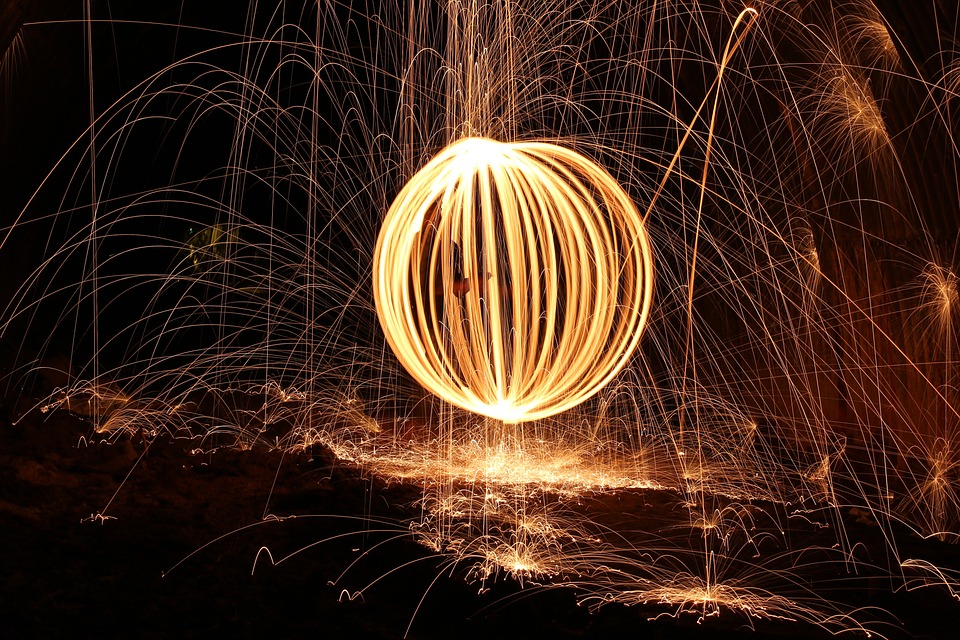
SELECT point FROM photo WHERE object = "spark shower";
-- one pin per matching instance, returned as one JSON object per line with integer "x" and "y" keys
{"x": 424, "y": 236}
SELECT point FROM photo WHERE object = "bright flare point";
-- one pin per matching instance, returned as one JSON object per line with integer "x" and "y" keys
{"x": 513, "y": 280}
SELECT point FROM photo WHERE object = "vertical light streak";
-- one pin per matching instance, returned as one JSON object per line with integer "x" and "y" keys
{"x": 94, "y": 245}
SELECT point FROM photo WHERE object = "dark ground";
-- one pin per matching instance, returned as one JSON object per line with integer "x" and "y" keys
{"x": 182, "y": 532}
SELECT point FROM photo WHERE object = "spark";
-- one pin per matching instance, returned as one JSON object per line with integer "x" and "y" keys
{"x": 940, "y": 295}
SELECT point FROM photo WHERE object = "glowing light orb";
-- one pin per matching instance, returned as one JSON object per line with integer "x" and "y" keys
{"x": 513, "y": 280}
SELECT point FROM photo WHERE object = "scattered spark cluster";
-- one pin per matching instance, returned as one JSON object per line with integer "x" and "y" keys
{"x": 480, "y": 337}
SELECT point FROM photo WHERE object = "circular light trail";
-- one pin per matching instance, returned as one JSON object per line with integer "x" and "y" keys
{"x": 513, "y": 280}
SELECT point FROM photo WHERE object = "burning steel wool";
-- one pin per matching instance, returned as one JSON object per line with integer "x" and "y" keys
{"x": 513, "y": 280}
{"x": 654, "y": 302}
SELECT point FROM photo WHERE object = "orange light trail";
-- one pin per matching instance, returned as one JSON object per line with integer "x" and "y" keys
{"x": 513, "y": 280}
